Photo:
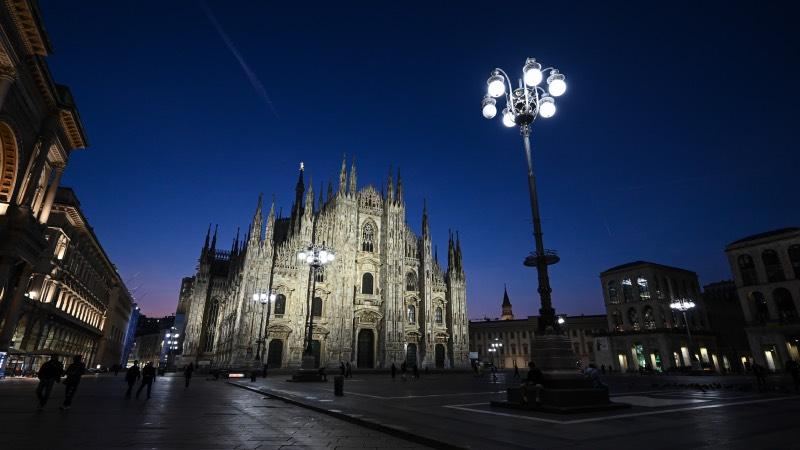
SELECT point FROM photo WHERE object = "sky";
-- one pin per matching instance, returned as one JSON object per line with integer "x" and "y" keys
{"x": 677, "y": 134}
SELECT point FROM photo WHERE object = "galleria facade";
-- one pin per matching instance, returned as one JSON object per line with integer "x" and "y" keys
{"x": 384, "y": 299}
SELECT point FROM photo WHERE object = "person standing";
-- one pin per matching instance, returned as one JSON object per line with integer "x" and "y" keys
{"x": 516, "y": 369}
{"x": 49, "y": 374}
{"x": 534, "y": 381}
{"x": 265, "y": 370}
{"x": 415, "y": 369}
{"x": 116, "y": 369}
{"x": 793, "y": 367}
{"x": 131, "y": 375}
{"x": 348, "y": 371}
{"x": 342, "y": 369}
{"x": 394, "y": 371}
{"x": 74, "y": 373}
{"x": 148, "y": 376}
{"x": 187, "y": 373}
{"x": 403, "y": 369}
{"x": 761, "y": 376}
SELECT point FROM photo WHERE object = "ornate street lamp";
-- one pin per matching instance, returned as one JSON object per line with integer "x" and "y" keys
{"x": 265, "y": 299}
{"x": 683, "y": 305}
{"x": 522, "y": 106}
{"x": 315, "y": 256}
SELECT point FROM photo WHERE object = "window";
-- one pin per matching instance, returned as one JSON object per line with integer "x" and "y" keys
{"x": 659, "y": 291}
{"x": 316, "y": 307}
{"x": 366, "y": 283}
{"x": 747, "y": 269}
{"x": 794, "y": 259}
{"x": 367, "y": 237}
{"x": 412, "y": 314}
{"x": 633, "y": 318}
{"x": 772, "y": 265}
{"x": 644, "y": 289}
{"x": 438, "y": 314}
{"x": 525, "y": 348}
{"x": 411, "y": 281}
{"x": 649, "y": 319}
{"x": 320, "y": 275}
{"x": 785, "y": 304}
{"x": 280, "y": 304}
{"x": 616, "y": 318}
{"x": 627, "y": 290}
{"x": 760, "y": 310}
{"x": 613, "y": 296}
{"x": 513, "y": 349}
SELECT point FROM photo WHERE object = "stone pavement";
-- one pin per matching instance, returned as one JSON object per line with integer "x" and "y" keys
{"x": 667, "y": 412}
{"x": 207, "y": 415}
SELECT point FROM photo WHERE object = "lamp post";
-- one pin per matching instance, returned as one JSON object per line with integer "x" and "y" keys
{"x": 683, "y": 305}
{"x": 522, "y": 106}
{"x": 264, "y": 298}
{"x": 315, "y": 256}
{"x": 495, "y": 347}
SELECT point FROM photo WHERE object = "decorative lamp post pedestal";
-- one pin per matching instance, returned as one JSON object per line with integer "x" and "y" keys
{"x": 565, "y": 389}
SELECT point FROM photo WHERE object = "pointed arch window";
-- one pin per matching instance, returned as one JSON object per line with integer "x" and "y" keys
{"x": 280, "y": 305}
{"x": 747, "y": 269}
{"x": 319, "y": 275}
{"x": 616, "y": 317}
{"x": 367, "y": 238}
{"x": 411, "y": 281}
{"x": 438, "y": 315}
{"x": 644, "y": 288}
{"x": 316, "y": 307}
{"x": 633, "y": 318}
{"x": 772, "y": 265}
{"x": 412, "y": 314}
{"x": 613, "y": 294}
{"x": 366, "y": 283}
{"x": 627, "y": 290}
{"x": 649, "y": 319}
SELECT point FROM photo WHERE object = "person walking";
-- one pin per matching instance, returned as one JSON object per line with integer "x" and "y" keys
{"x": 403, "y": 369}
{"x": 187, "y": 373}
{"x": 74, "y": 373}
{"x": 348, "y": 370}
{"x": 148, "y": 376}
{"x": 516, "y": 369}
{"x": 131, "y": 375}
{"x": 394, "y": 371}
{"x": 415, "y": 370}
{"x": 793, "y": 367}
{"x": 265, "y": 371}
{"x": 117, "y": 367}
{"x": 49, "y": 374}
{"x": 342, "y": 368}
{"x": 761, "y": 377}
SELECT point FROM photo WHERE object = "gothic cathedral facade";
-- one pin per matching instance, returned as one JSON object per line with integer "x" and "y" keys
{"x": 384, "y": 299}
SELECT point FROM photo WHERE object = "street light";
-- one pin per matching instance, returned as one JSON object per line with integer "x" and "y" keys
{"x": 683, "y": 305}
{"x": 264, "y": 298}
{"x": 522, "y": 106}
{"x": 315, "y": 256}
{"x": 495, "y": 347}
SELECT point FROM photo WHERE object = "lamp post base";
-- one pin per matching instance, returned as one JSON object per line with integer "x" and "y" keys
{"x": 564, "y": 389}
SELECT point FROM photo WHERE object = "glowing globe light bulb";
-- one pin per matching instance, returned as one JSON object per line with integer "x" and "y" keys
{"x": 556, "y": 85}
{"x": 508, "y": 118}
{"x": 547, "y": 107}
{"x": 496, "y": 85}
{"x": 489, "y": 107}
{"x": 532, "y": 73}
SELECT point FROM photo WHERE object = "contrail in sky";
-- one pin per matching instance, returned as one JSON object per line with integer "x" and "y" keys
{"x": 254, "y": 81}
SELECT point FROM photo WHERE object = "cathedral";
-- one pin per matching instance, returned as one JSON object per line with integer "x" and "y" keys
{"x": 385, "y": 298}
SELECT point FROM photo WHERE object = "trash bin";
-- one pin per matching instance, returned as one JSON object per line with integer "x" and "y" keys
{"x": 338, "y": 385}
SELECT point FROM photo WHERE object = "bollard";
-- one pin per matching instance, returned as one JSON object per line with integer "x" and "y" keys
{"x": 338, "y": 385}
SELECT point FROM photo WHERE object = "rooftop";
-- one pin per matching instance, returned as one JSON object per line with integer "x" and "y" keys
{"x": 642, "y": 263}
{"x": 766, "y": 234}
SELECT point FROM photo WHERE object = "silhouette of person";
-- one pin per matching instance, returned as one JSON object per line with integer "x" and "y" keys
{"x": 187, "y": 373}
{"x": 74, "y": 373}
{"x": 394, "y": 371}
{"x": 516, "y": 369}
{"x": 348, "y": 370}
{"x": 131, "y": 376}
{"x": 49, "y": 374}
{"x": 148, "y": 376}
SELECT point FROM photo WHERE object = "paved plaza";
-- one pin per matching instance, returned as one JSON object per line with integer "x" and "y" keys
{"x": 665, "y": 412}
{"x": 450, "y": 410}
{"x": 207, "y": 415}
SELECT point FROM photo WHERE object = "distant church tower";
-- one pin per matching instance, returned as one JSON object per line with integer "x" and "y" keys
{"x": 507, "y": 313}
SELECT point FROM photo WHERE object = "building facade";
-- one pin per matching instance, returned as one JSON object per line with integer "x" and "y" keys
{"x": 516, "y": 337}
{"x": 725, "y": 317}
{"x": 766, "y": 270}
{"x": 644, "y": 332}
{"x": 384, "y": 299}
{"x": 39, "y": 129}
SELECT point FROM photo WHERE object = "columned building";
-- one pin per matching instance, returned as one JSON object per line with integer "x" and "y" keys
{"x": 766, "y": 270}
{"x": 384, "y": 299}
{"x": 644, "y": 332}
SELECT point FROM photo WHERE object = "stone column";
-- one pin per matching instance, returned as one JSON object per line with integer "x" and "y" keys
{"x": 7, "y": 77}
{"x": 51, "y": 194}
{"x": 13, "y": 308}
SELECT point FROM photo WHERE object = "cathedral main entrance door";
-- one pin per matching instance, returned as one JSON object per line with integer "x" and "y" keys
{"x": 366, "y": 349}
{"x": 411, "y": 355}
{"x": 275, "y": 354}
{"x": 439, "y": 356}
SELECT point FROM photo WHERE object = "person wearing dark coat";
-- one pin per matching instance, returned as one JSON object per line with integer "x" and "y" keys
{"x": 131, "y": 376}
{"x": 49, "y": 374}
{"x": 187, "y": 373}
{"x": 342, "y": 368}
{"x": 348, "y": 371}
{"x": 74, "y": 373}
{"x": 148, "y": 376}
{"x": 394, "y": 371}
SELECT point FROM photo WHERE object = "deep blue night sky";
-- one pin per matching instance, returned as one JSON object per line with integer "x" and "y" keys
{"x": 676, "y": 135}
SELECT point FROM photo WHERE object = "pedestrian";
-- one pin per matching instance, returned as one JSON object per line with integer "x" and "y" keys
{"x": 187, "y": 373}
{"x": 494, "y": 373}
{"x": 265, "y": 370}
{"x": 49, "y": 374}
{"x": 593, "y": 374}
{"x": 415, "y": 370}
{"x": 603, "y": 368}
{"x": 532, "y": 381}
{"x": 322, "y": 373}
{"x": 394, "y": 371}
{"x": 348, "y": 370}
{"x": 761, "y": 377}
{"x": 117, "y": 367}
{"x": 475, "y": 368}
{"x": 131, "y": 376}
{"x": 793, "y": 367}
{"x": 516, "y": 369}
{"x": 74, "y": 373}
{"x": 342, "y": 369}
{"x": 253, "y": 375}
{"x": 148, "y": 376}
{"x": 403, "y": 369}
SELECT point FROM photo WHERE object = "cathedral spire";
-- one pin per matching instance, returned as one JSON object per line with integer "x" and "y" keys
{"x": 426, "y": 232}
{"x": 321, "y": 199}
{"x": 255, "y": 225}
{"x": 343, "y": 176}
{"x": 390, "y": 187}
{"x": 235, "y": 244}
{"x": 353, "y": 182}
{"x": 309, "y": 208}
{"x": 330, "y": 190}
{"x": 213, "y": 247}
{"x": 399, "y": 187}
{"x": 299, "y": 189}
{"x": 208, "y": 236}
{"x": 270, "y": 230}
